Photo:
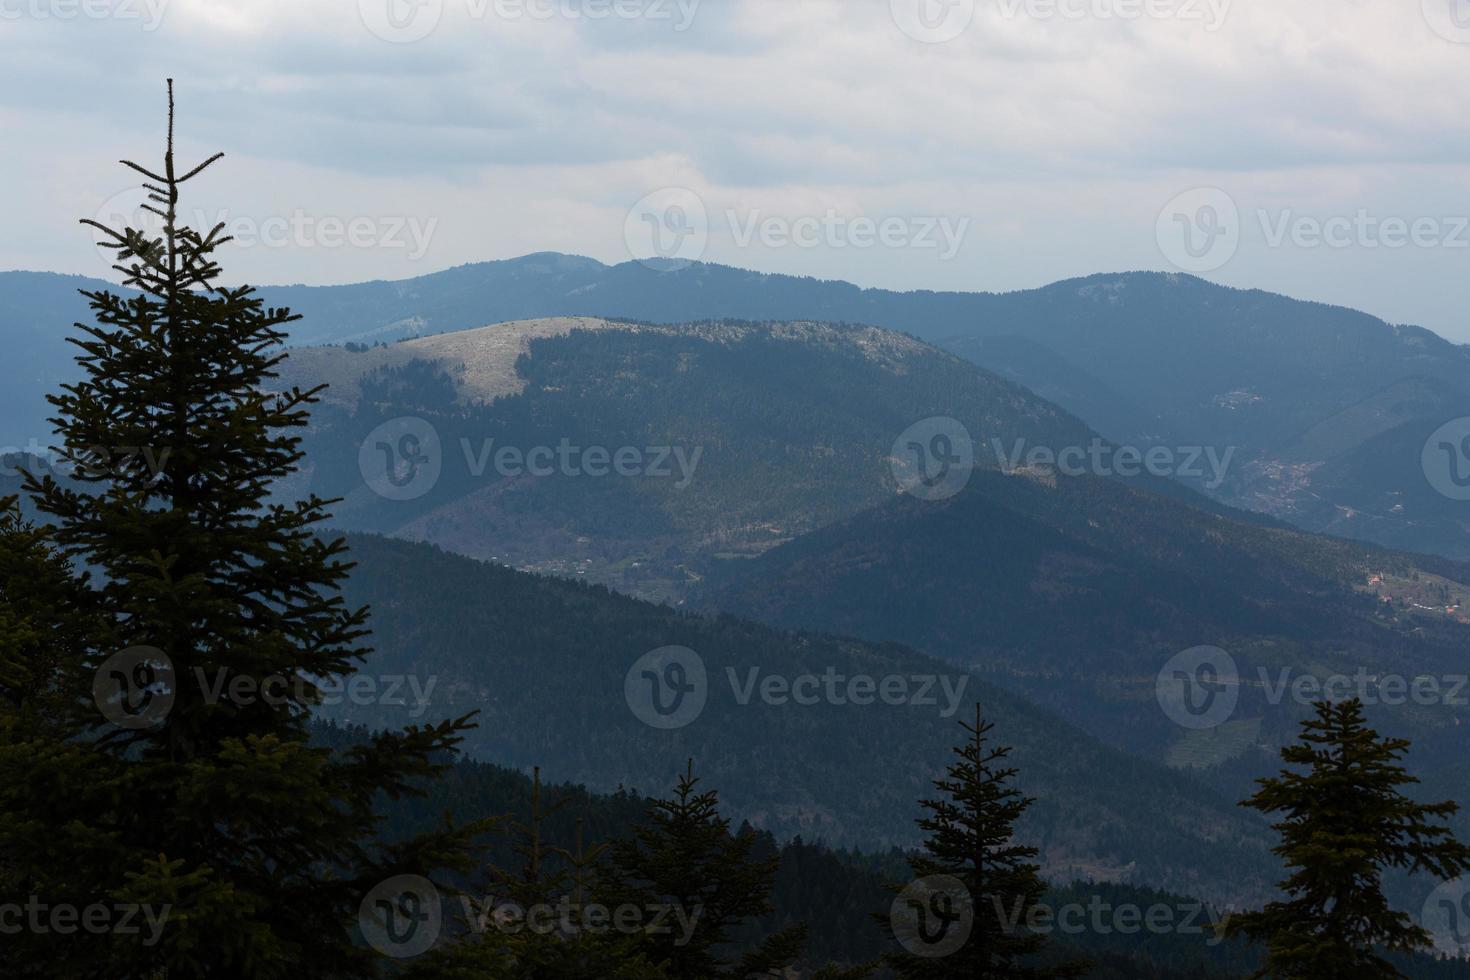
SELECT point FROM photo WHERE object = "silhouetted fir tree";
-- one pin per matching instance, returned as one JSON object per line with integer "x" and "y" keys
{"x": 530, "y": 924}
{"x": 686, "y": 859}
{"x": 1344, "y": 824}
{"x": 260, "y": 845}
{"x": 971, "y": 841}
{"x": 50, "y": 781}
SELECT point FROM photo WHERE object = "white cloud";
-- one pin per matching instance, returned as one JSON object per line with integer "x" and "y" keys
{"x": 1059, "y": 136}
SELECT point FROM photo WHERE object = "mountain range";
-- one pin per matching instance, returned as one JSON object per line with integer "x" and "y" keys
{"x": 797, "y": 496}
{"x": 1324, "y": 412}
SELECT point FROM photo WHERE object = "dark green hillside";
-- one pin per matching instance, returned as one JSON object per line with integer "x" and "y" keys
{"x": 545, "y": 660}
{"x": 1076, "y": 592}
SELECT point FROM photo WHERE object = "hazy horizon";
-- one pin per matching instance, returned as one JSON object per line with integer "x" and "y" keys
{"x": 1316, "y": 150}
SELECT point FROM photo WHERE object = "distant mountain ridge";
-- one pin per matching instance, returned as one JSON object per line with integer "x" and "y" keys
{"x": 1145, "y": 358}
{"x": 775, "y": 430}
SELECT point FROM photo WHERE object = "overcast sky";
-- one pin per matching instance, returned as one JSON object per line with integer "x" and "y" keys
{"x": 1319, "y": 148}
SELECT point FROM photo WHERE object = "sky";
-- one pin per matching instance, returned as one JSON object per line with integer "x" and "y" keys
{"x": 1318, "y": 148}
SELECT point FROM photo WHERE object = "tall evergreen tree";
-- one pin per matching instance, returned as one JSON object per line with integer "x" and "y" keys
{"x": 1345, "y": 822}
{"x": 686, "y": 859}
{"x": 531, "y": 922}
{"x": 209, "y": 803}
{"x": 976, "y": 887}
{"x": 50, "y": 782}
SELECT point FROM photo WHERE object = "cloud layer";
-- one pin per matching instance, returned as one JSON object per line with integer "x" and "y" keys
{"x": 1319, "y": 148}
